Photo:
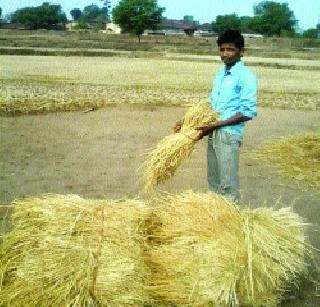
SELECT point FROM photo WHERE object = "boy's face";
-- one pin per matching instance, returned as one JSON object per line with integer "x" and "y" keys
{"x": 230, "y": 54}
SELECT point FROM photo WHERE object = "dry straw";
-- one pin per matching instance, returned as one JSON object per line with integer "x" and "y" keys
{"x": 186, "y": 250}
{"x": 276, "y": 255}
{"x": 67, "y": 251}
{"x": 205, "y": 251}
{"x": 193, "y": 241}
{"x": 170, "y": 152}
{"x": 297, "y": 157}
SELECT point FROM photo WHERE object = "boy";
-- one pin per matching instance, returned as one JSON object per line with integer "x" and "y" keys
{"x": 234, "y": 98}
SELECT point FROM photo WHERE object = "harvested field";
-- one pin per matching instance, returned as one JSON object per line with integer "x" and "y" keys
{"x": 122, "y": 108}
{"x": 49, "y": 84}
{"x": 96, "y": 155}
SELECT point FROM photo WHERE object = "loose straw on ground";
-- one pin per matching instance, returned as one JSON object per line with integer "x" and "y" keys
{"x": 207, "y": 252}
{"x": 67, "y": 251}
{"x": 163, "y": 161}
{"x": 297, "y": 157}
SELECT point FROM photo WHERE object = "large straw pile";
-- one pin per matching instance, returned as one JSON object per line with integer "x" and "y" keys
{"x": 67, "y": 251}
{"x": 297, "y": 157}
{"x": 163, "y": 161}
{"x": 205, "y": 251}
{"x": 189, "y": 249}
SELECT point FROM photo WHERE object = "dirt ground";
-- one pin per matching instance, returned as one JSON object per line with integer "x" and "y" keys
{"x": 98, "y": 154}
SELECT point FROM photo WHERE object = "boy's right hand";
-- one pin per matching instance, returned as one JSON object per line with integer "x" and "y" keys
{"x": 177, "y": 126}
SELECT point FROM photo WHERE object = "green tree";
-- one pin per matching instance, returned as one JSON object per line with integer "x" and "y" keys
{"x": 224, "y": 22}
{"x": 245, "y": 22}
{"x": 273, "y": 18}
{"x": 94, "y": 14}
{"x": 76, "y": 13}
{"x": 40, "y": 17}
{"x": 135, "y": 16}
{"x": 0, "y": 12}
{"x": 81, "y": 25}
{"x": 91, "y": 12}
{"x": 310, "y": 33}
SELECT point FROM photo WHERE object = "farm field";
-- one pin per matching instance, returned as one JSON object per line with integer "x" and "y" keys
{"x": 121, "y": 107}
{"x": 48, "y": 84}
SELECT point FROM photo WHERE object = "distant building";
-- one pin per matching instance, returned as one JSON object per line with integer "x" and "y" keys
{"x": 247, "y": 33}
{"x": 112, "y": 28}
{"x": 20, "y": 26}
{"x": 175, "y": 27}
{"x": 14, "y": 26}
{"x": 71, "y": 25}
{"x": 205, "y": 30}
{"x": 107, "y": 28}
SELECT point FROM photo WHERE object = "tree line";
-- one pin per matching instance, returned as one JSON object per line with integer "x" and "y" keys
{"x": 134, "y": 16}
{"x": 270, "y": 19}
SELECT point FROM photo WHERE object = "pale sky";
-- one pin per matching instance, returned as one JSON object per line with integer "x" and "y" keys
{"x": 306, "y": 11}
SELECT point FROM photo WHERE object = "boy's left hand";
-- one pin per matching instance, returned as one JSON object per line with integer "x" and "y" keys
{"x": 207, "y": 129}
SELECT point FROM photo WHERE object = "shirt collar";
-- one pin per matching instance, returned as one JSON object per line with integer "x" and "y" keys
{"x": 237, "y": 66}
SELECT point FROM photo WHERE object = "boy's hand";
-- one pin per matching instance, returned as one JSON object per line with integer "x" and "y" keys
{"x": 206, "y": 129}
{"x": 177, "y": 126}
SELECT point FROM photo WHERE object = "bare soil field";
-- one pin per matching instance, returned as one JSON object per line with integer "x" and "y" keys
{"x": 98, "y": 154}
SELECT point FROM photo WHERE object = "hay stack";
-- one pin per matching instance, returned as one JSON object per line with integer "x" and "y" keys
{"x": 163, "y": 161}
{"x": 189, "y": 249}
{"x": 67, "y": 251}
{"x": 205, "y": 251}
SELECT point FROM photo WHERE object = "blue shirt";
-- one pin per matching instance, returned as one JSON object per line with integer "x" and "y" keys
{"x": 234, "y": 91}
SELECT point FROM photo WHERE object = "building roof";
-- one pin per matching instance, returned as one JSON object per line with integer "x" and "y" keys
{"x": 205, "y": 26}
{"x": 178, "y": 24}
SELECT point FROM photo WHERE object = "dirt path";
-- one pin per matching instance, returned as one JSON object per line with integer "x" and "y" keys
{"x": 97, "y": 155}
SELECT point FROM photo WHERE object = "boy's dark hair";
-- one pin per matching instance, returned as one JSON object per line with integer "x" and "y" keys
{"x": 231, "y": 36}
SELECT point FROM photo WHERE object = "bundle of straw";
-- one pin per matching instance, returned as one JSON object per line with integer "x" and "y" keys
{"x": 67, "y": 251}
{"x": 163, "y": 161}
{"x": 188, "y": 249}
{"x": 276, "y": 253}
{"x": 205, "y": 251}
{"x": 196, "y": 246}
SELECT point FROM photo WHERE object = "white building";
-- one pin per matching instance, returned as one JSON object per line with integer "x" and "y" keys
{"x": 112, "y": 28}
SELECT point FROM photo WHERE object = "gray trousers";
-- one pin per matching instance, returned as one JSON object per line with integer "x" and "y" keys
{"x": 223, "y": 164}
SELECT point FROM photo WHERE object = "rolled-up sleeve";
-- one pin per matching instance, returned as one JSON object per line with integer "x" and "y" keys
{"x": 248, "y": 98}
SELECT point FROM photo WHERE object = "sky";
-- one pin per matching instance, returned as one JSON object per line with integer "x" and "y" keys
{"x": 306, "y": 11}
